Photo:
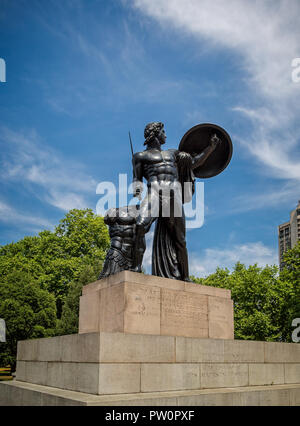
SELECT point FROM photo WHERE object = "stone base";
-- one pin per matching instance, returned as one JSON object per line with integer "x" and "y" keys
{"x": 154, "y": 342}
{"x": 130, "y": 302}
{"x": 118, "y": 363}
{"x": 25, "y": 394}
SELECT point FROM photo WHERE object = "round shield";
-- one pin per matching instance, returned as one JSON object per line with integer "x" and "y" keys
{"x": 198, "y": 138}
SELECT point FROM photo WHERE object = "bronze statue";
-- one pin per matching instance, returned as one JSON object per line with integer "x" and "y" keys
{"x": 163, "y": 171}
{"x": 121, "y": 222}
{"x": 204, "y": 151}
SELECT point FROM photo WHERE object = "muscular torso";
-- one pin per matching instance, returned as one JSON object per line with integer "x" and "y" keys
{"x": 121, "y": 231}
{"x": 122, "y": 239}
{"x": 157, "y": 166}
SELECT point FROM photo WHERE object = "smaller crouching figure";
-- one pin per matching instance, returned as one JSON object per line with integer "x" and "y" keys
{"x": 122, "y": 223}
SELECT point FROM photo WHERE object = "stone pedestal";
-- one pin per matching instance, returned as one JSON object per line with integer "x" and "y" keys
{"x": 140, "y": 369}
{"x": 144, "y": 304}
{"x": 151, "y": 341}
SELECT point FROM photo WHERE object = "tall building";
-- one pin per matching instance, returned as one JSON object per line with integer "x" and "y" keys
{"x": 289, "y": 233}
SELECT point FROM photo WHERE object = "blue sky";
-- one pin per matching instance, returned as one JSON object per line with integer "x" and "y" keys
{"x": 80, "y": 74}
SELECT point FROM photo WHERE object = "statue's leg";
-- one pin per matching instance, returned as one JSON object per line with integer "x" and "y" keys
{"x": 143, "y": 225}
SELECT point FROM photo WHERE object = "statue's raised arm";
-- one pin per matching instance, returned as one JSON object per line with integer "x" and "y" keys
{"x": 199, "y": 159}
{"x": 210, "y": 147}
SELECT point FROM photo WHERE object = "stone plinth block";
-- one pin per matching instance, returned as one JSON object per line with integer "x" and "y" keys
{"x": 15, "y": 393}
{"x": 111, "y": 363}
{"x": 135, "y": 303}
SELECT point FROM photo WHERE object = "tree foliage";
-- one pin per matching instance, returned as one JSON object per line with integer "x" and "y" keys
{"x": 264, "y": 302}
{"x": 28, "y": 311}
{"x": 68, "y": 324}
{"x": 290, "y": 277}
{"x": 37, "y": 273}
{"x": 55, "y": 259}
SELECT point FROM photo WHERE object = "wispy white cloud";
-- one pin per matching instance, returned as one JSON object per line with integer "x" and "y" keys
{"x": 66, "y": 200}
{"x": 10, "y": 215}
{"x": 265, "y": 36}
{"x": 206, "y": 263}
{"x": 273, "y": 143}
{"x": 192, "y": 117}
{"x": 264, "y": 33}
{"x": 123, "y": 71}
{"x": 26, "y": 160}
{"x": 248, "y": 254}
{"x": 287, "y": 194}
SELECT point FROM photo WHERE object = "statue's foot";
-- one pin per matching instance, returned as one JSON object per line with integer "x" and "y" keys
{"x": 136, "y": 269}
{"x": 188, "y": 280}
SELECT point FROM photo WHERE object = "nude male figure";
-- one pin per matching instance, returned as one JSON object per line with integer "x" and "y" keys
{"x": 163, "y": 171}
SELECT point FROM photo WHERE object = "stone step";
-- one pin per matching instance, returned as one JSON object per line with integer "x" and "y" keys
{"x": 118, "y": 378}
{"x": 118, "y": 363}
{"x": 19, "y": 393}
{"x": 132, "y": 348}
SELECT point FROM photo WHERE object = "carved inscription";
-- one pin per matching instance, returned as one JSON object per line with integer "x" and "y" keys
{"x": 224, "y": 375}
{"x": 142, "y": 309}
{"x": 184, "y": 314}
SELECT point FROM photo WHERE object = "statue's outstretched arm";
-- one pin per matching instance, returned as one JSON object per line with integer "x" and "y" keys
{"x": 200, "y": 159}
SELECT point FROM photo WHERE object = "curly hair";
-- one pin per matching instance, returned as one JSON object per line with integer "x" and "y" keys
{"x": 152, "y": 130}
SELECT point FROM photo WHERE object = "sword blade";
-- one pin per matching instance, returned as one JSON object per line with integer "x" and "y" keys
{"x": 131, "y": 144}
{"x": 133, "y": 163}
{"x": 134, "y": 169}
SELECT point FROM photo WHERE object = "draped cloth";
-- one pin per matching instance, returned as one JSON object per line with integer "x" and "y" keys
{"x": 166, "y": 258}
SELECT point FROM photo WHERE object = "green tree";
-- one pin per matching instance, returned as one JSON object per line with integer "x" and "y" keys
{"x": 28, "y": 311}
{"x": 259, "y": 298}
{"x": 68, "y": 324}
{"x": 37, "y": 273}
{"x": 55, "y": 259}
{"x": 290, "y": 279}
